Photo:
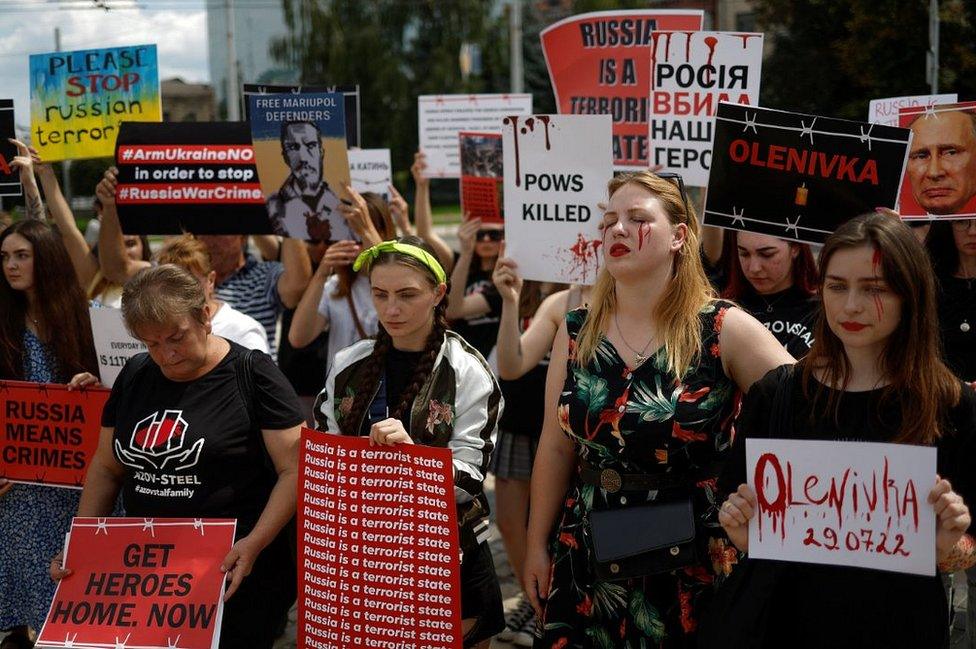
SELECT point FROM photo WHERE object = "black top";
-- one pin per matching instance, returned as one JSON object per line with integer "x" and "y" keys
{"x": 481, "y": 332}
{"x": 525, "y": 399}
{"x": 190, "y": 448}
{"x": 957, "y": 312}
{"x": 400, "y": 366}
{"x": 305, "y": 368}
{"x": 819, "y": 606}
{"x": 790, "y": 315}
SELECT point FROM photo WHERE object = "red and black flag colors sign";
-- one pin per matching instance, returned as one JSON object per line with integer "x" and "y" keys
{"x": 798, "y": 176}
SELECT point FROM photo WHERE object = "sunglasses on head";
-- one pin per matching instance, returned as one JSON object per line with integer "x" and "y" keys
{"x": 491, "y": 235}
{"x": 679, "y": 182}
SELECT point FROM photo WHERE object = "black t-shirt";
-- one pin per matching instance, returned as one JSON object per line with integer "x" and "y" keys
{"x": 398, "y": 371}
{"x": 815, "y": 606}
{"x": 957, "y": 323}
{"x": 525, "y": 399}
{"x": 305, "y": 368}
{"x": 190, "y": 448}
{"x": 790, "y": 316}
{"x": 481, "y": 332}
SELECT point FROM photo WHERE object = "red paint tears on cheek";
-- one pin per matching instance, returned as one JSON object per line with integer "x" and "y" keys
{"x": 643, "y": 231}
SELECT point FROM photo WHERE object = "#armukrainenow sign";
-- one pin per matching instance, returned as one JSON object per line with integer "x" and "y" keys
{"x": 692, "y": 73}
{"x": 859, "y": 504}
{"x": 79, "y": 99}
{"x": 556, "y": 173}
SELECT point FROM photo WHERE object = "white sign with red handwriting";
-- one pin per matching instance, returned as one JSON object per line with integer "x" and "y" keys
{"x": 858, "y": 504}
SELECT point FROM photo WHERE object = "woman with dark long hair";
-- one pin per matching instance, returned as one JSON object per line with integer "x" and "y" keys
{"x": 874, "y": 374}
{"x": 45, "y": 337}
{"x": 774, "y": 280}
{"x": 952, "y": 250}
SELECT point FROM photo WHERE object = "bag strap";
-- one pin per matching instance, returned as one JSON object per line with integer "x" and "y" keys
{"x": 355, "y": 315}
{"x": 244, "y": 369}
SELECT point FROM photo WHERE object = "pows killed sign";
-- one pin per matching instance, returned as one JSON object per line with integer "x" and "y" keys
{"x": 556, "y": 173}
{"x": 858, "y": 504}
{"x": 692, "y": 73}
{"x": 142, "y": 583}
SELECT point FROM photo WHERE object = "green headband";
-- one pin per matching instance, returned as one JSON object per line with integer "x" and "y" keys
{"x": 368, "y": 256}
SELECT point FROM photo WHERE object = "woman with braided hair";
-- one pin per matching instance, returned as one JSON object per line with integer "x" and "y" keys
{"x": 418, "y": 383}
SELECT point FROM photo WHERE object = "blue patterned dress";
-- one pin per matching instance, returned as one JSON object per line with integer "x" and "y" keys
{"x": 33, "y": 521}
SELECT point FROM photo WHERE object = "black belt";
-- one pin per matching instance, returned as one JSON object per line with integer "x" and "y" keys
{"x": 612, "y": 481}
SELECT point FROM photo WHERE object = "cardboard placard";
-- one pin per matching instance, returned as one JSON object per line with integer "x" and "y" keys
{"x": 114, "y": 345}
{"x": 49, "y": 434}
{"x": 859, "y": 504}
{"x": 558, "y": 170}
{"x": 350, "y": 96}
{"x": 600, "y": 63}
{"x": 481, "y": 176}
{"x": 9, "y": 178}
{"x": 885, "y": 111}
{"x": 692, "y": 72}
{"x": 442, "y": 117}
{"x": 798, "y": 176}
{"x": 300, "y": 151}
{"x": 194, "y": 177}
{"x": 371, "y": 170}
{"x": 940, "y": 177}
{"x": 79, "y": 99}
{"x": 140, "y": 582}
{"x": 378, "y": 546}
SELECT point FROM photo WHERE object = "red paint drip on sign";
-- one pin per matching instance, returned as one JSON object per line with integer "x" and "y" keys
{"x": 710, "y": 42}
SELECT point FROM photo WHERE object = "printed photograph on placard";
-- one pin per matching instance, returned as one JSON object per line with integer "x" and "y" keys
{"x": 940, "y": 179}
{"x": 481, "y": 176}
{"x": 300, "y": 152}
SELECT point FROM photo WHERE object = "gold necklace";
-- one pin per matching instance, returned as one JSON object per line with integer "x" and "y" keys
{"x": 639, "y": 356}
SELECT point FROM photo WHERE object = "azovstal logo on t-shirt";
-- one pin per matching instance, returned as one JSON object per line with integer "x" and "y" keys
{"x": 157, "y": 443}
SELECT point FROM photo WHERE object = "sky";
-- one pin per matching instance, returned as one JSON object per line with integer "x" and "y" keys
{"x": 177, "y": 27}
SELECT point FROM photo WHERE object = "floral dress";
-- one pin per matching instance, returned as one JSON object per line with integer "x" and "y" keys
{"x": 640, "y": 420}
{"x": 33, "y": 521}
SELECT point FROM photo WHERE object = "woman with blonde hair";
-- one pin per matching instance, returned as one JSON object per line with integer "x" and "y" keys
{"x": 624, "y": 544}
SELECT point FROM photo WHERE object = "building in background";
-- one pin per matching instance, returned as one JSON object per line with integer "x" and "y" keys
{"x": 255, "y": 27}
{"x": 187, "y": 102}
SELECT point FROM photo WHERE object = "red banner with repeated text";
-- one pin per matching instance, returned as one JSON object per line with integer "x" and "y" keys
{"x": 600, "y": 63}
{"x": 378, "y": 545}
{"x": 48, "y": 434}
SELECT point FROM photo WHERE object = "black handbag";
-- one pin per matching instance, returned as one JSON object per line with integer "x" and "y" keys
{"x": 643, "y": 540}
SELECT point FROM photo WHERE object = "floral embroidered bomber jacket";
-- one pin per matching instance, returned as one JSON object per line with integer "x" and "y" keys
{"x": 458, "y": 407}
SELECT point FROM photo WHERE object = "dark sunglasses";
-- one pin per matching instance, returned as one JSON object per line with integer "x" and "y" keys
{"x": 678, "y": 181}
{"x": 491, "y": 235}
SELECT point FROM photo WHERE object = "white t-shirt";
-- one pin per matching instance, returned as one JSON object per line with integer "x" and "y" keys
{"x": 244, "y": 330}
{"x": 340, "y": 325}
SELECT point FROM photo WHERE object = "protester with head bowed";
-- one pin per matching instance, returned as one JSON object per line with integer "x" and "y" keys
{"x": 418, "y": 383}
{"x": 774, "y": 281}
{"x": 45, "y": 337}
{"x": 259, "y": 289}
{"x": 231, "y": 423}
{"x": 952, "y": 249}
{"x": 642, "y": 389}
{"x": 874, "y": 374}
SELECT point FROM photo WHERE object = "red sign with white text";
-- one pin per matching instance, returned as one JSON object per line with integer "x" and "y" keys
{"x": 600, "y": 63}
{"x": 49, "y": 434}
{"x": 141, "y": 582}
{"x": 378, "y": 545}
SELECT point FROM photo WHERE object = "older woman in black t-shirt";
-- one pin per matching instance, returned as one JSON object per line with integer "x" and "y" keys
{"x": 222, "y": 424}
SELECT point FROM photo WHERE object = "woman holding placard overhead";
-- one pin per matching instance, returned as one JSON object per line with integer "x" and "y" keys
{"x": 873, "y": 375}
{"x": 642, "y": 389}
{"x": 45, "y": 337}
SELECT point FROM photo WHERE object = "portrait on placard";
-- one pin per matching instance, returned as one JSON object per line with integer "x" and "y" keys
{"x": 940, "y": 177}
{"x": 481, "y": 176}
{"x": 300, "y": 151}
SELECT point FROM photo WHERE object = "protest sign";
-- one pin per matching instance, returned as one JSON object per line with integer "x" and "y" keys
{"x": 9, "y": 178}
{"x": 370, "y": 170}
{"x": 856, "y": 504}
{"x": 114, "y": 345}
{"x": 690, "y": 77}
{"x": 49, "y": 432}
{"x": 140, "y": 582}
{"x": 300, "y": 151}
{"x": 600, "y": 63}
{"x": 481, "y": 176}
{"x": 442, "y": 117}
{"x": 350, "y": 95}
{"x": 797, "y": 176}
{"x": 885, "y": 111}
{"x": 79, "y": 99}
{"x": 940, "y": 177}
{"x": 378, "y": 546}
{"x": 194, "y": 177}
{"x": 558, "y": 169}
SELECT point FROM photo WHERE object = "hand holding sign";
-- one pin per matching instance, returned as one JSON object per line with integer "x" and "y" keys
{"x": 952, "y": 517}
{"x": 388, "y": 432}
{"x": 23, "y": 162}
{"x": 105, "y": 190}
{"x": 735, "y": 514}
{"x": 400, "y": 211}
{"x": 507, "y": 279}
{"x": 238, "y": 563}
{"x": 356, "y": 213}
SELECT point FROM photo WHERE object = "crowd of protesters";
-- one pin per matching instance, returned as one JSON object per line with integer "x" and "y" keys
{"x": 657, "y": 373}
